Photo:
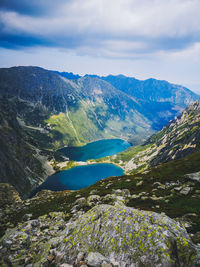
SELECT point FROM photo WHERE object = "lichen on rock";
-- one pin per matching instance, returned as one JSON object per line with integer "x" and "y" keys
{"x": 104, "y": 234}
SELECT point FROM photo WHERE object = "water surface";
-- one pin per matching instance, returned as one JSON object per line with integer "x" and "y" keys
{"x": 79, "y": 177}
{"x": 95, "y": 150}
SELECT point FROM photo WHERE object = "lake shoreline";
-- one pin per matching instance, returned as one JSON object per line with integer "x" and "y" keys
{"x": 88, "y": 164}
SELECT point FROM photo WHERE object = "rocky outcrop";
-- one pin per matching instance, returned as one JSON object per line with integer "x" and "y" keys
{"x": 104, "y": 236}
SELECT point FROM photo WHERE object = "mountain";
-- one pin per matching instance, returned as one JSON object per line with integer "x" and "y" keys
{"x": 22, "y": 163}
{"x": 178, "y": 139}
{"x": 73, "y": 112}
{"x": 160, "y": 100}
{"x": 68, "y": 75}
{"x": 150, "y": 217}
{"x": 42, "y": 111}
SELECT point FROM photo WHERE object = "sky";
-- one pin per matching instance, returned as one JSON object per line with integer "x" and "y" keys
{"x": 137, "y": 38}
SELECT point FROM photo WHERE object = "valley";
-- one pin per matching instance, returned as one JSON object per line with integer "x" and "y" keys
{"x": 44, "y": 111}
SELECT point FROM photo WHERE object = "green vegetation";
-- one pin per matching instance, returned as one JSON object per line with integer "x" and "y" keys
{"x": 70, "y": 164}
{"x": 160, "y": 198}
{"x": 130, "y": 153}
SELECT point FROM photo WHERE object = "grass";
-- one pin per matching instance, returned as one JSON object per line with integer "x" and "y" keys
{"x": 130, "y": 153}
{"x": 170, "y": 172}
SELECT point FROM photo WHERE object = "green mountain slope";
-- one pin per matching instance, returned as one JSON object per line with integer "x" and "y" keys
{"x": 176, "y": 140}
{"x": 71, "y": 112}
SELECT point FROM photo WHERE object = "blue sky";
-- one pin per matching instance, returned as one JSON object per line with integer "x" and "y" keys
{"x": 140, "y": 38}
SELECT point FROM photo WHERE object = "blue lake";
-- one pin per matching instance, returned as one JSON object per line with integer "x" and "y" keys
{"x": 79, "y": 177}
{"x": 83, "y": 176}
{"x": 95, "y": 150}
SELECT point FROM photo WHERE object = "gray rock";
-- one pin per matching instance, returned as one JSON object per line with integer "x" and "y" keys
{"x": 194, "y": 176}
{"x": 185, "y": 191}
{"x": 59, "y": 257}
{"x": 80, "y": 257}
{"x": 119, "y": 235}
{"x": 27, "y": 217}
{"x": 106, "y": 264}
{"x": 95, "y": 259}
{"x": 81, "y": 202}
{"x": 93, "y": 200}
{"x": 109, "y": 198}
{"x": 178, "y": 189}
{"x": 139, "y": 183}
{"x": 117, "y": 192}
{"x": 35, "y": 223}
{"x": 126, "y": 193}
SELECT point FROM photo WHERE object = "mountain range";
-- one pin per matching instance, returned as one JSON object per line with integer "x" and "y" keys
{"x": 150, "y": 217}
{"x": 42, "y": 111}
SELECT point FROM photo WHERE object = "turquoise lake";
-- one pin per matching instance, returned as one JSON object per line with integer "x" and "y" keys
{"x": 79, "y": 177}
{"x": 95, "y": 150}
{"x": 84, "y": 176}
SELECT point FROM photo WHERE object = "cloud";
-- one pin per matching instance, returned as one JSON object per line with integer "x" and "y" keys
{"x": 114, "y": 28}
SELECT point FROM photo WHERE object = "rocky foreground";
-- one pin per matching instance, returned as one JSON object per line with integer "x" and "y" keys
{"x": 108, "y": 234}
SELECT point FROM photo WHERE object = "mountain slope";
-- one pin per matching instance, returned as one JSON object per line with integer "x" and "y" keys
{"x": 178, "y": 139}
{"x": 86, "y": 109}
{"x": 21, "y": 164}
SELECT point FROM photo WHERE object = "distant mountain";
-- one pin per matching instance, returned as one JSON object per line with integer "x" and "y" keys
{"x": 71, "y": 112}
{"x": 160, "y": 100}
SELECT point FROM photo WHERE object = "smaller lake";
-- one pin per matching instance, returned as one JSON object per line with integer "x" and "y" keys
{"x": 95, "y": 150}
{"x": 79, "y": 177}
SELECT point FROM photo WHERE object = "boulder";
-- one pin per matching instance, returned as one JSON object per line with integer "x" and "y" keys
{"x": 104, "y": 235}
{"x": 95, "y": 259}
{"x": 93, "y": 200}
{"x": 132, "y": 236}
{"x": 185, "y": 191}
{"x": 194, "y": 176}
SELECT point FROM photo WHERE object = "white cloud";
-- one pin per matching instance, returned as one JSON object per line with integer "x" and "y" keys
{"x": 155, "y": 24}
{"x": 142, "y": 38}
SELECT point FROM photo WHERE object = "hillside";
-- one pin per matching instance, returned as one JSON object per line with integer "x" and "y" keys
{"x": 178, "y": 139}
{"x": 95, "y": 219}
{"x": 71, "y": 112}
